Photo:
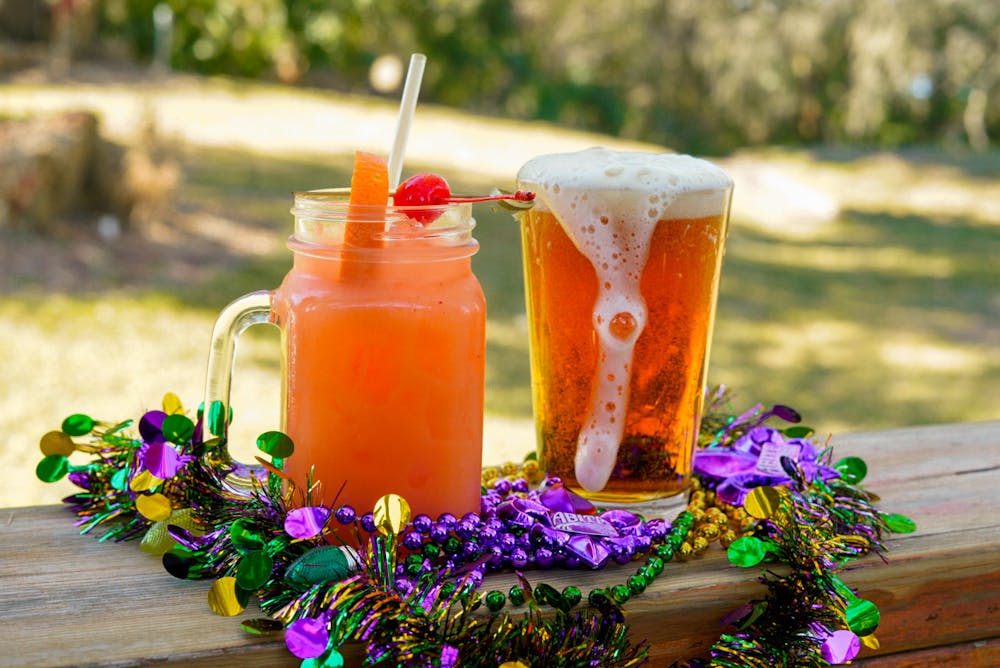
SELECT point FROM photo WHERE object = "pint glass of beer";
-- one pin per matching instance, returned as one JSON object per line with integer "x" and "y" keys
{"x": 622, "y": 255}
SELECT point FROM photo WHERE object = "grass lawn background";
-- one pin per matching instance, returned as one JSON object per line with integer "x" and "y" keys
{"x": 887, "y": 314}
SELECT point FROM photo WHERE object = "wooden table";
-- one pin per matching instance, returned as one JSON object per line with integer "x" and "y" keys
{"x": 66, "y": 599}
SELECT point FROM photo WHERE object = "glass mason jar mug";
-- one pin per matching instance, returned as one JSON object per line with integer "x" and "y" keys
{"x": 382, "y": 353}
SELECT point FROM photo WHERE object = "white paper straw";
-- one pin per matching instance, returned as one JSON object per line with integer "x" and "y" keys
{"x": 407, "y": 106}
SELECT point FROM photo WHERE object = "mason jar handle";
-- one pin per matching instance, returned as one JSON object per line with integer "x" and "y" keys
{"x": 250, "y": 309}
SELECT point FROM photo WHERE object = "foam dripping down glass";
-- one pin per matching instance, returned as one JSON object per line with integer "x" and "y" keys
{"x": 622, "y": 257}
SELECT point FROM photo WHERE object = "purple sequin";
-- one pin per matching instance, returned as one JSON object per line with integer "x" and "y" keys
{"x": 840, "y": 647}
{"x": 306, "y": 522}
{"x": 307, "y": 638}
{"x": 162, "y": 460}
{"x": 151, "y": 427}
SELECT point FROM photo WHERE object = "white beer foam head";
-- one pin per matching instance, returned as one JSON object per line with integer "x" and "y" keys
{"x": 682, "y": 186}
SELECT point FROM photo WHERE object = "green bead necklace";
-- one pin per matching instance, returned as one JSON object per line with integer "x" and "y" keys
{"x": 545, "y": 594}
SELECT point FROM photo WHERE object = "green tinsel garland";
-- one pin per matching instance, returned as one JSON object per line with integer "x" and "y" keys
{"x": 205, "y": 529}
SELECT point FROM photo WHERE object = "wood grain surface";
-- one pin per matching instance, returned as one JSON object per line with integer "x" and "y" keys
{"x": 68, "y": 600}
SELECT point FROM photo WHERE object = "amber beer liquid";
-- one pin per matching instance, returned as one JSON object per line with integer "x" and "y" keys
{"x": 622, "y": 257}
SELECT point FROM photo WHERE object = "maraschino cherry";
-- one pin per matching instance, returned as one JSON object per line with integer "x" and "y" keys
{"x": 431, "y": 189}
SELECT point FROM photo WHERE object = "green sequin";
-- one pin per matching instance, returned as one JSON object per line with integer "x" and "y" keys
{"x": 276, "y": 444}
{"x": 78, "y": 424}
{"x": 244, "y": 536}
{"x": 897, "y": 523}
{"x": 52, "y": 468}
{"x": 656, "y": 564}
{"x": 119, "y": 480}
{"x": 254, "y": 570}
{"x": 178, "y": 428}
{"x": 852, "y": 469}
{"x": 746, "y": 552}
{"x": 862, "y": 617}
{"x": 637, "y": 584}
{"x": 216, "y": 418}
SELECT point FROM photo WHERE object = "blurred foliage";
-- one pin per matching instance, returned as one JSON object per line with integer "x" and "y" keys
{"x": 698, "y": 75}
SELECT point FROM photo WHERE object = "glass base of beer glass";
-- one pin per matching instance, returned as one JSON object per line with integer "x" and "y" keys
{"x": 654, "y": 506}
{"x": 676, "y": 495}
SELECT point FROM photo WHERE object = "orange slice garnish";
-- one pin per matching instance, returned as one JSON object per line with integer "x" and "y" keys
{"x": 369, "y": 196}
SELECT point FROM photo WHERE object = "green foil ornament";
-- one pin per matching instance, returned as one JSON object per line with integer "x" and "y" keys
{"x": 52, "y": 468}
{"x": 897, "y": 523}
{"x": 747, "y": 551}
{"x": 244, "y": 536}
{"x": 254, "y": 570}
{"x": 178, "y": 428}
{"x": 262, "y": 626}
{"x": 78, "y": 424}
{"x": 862, "y": 616}
{"x": 276, "y": 444}
{"x": 852, "y": 469}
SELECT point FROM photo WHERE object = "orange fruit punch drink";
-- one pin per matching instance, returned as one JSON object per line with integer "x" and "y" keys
{"x": 384, "y": 358}
{"x": 622, "y": 256}
{"x": 383, "y": 336}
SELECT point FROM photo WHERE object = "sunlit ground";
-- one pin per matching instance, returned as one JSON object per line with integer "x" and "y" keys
{"x": 880, "y": 311}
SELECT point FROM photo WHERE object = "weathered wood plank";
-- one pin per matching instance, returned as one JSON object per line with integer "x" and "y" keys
{"x": 66, "y": 599}
{"x": 978, "y": 654}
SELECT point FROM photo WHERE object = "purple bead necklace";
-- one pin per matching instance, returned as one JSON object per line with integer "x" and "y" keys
{"x": 517, "y": 528}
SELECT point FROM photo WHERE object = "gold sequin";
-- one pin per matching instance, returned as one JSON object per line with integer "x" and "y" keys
{"x": 391, "y": 514}
{"x": 56, "y": 443}
{"x": 762, "y": 502}
{"x": 222, "y": 597}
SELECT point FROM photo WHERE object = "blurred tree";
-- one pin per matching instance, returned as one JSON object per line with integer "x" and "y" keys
{"x": 696, "y": 75}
